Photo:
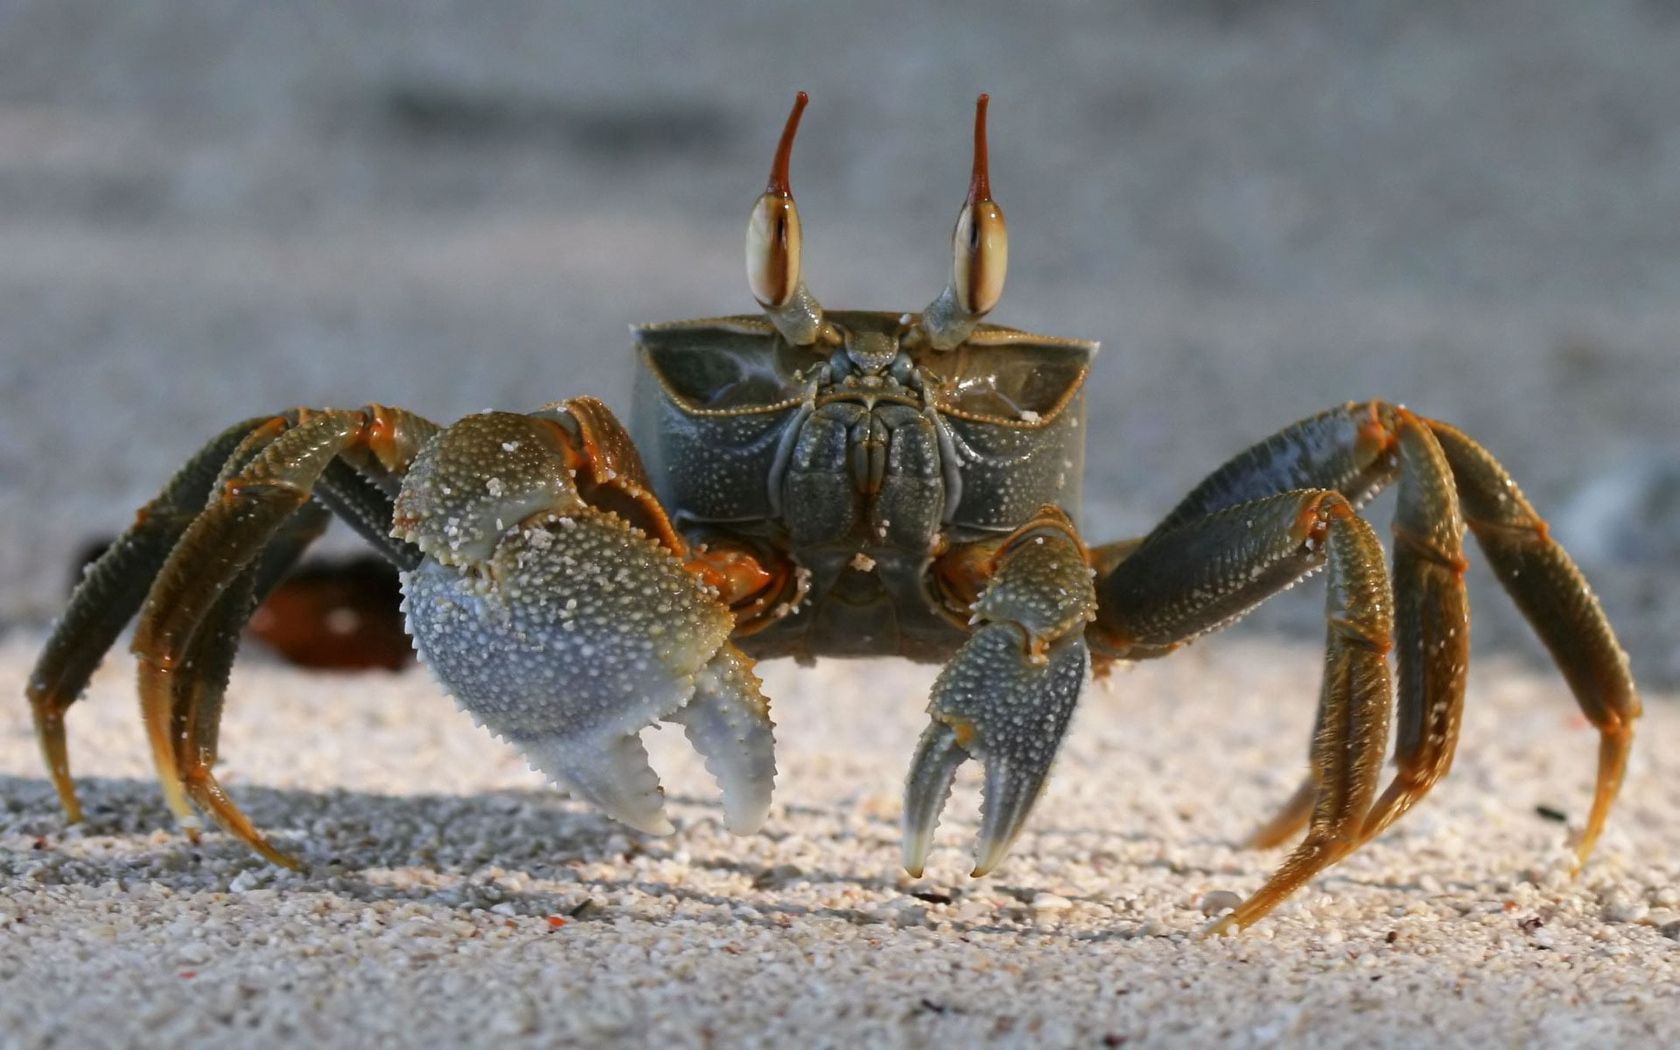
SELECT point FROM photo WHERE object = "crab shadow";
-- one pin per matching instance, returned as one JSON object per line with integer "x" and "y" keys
{"x": 535, "y": 854}
{"x": 533, "y": 851}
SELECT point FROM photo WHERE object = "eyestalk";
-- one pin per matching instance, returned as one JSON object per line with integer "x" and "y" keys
{"x": 773, "y": 246}
{"x": 979, "y": 255}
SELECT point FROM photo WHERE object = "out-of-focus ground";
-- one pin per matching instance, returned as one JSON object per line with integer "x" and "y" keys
{"x": 209, "y": 211}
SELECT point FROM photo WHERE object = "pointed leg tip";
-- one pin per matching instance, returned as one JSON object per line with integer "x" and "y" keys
{"x": 49, "y": 734}
{"x": 177, "y": 797}
{"x": 233, "y": 821}
{"x": 67, "y": 798}
{"x": 286, "y": 861}
{"x": 1224, "y": 926}
{"x": 1583, "y": 853}
{"x": 237, "y": 826}
{"x": 913, "y": 870}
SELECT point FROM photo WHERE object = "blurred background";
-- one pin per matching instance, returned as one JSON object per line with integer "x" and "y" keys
{"x": 209, "y": 210}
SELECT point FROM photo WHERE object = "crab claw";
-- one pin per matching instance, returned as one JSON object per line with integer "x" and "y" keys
{"x": 585, "y": 634}
{"x": 999, "y": 702}
{"x": 612, "y": 773}
{"x": 728, "y": 722}
{"x": 567, "y": 630}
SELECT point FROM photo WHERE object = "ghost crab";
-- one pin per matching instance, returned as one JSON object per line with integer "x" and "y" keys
{"x": 808, "y": 482}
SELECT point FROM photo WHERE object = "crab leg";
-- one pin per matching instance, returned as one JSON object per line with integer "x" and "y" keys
{"x": 1207, "y": 572}
{"x": 1432, "y": 637}
{"x": 210, "y": 556}
{"x": 1348, "y": 449}
{"x": 116, "y": 586}
{"x": 366, "y": 508}
{"x": 1555, "y": 599}
{"x": 257, "y": 524}
{"x": 362, "y": 484}
{"x": 1008, "y": 694}
{"x": 1353, "y": 700}
{"x": 199, "y": 690}
{"x": 1224, "y": 549}
{"x": 109, "y": 595}
{"x": 1203, "y": 575}
{"x": 1432, "y": 623}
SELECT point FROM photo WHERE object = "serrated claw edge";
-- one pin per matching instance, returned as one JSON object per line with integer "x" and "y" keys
{"x": 931, "y": 771}
{"x": 613, "y": 774}
{"x": 728, "y": 723}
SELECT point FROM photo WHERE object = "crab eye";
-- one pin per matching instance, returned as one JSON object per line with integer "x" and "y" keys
{"x": 773, "y": 250}
{"x": 773, "y": 235}
{"x": 980, "y": 255}
{"x": 980, "y": 242}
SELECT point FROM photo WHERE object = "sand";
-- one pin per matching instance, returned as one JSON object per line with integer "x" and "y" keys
{"x": 451, "y": 897}
{"x": 1260, "y": 209}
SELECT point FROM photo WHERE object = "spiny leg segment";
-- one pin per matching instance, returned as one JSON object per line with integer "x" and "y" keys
{"x": 1282, "y": 509}
{"x": 1557, "y": 602}
{"x": 195, "y": 564}
{"x": 236, "y": 526}
{"x": 1352, "y": 723}
{"x": 1432, "y": 637}
{"x": 1432, "y": 623}
{"x": 110, "y": 593}
{"x": 196, "y": 706}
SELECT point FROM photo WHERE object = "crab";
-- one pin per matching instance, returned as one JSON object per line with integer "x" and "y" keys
{"x": 806, "y": 482}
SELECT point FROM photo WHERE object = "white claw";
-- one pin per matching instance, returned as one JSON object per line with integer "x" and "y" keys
{"x": 577, "y": 637}
{"x": 728, "y": 722}
{"x": 614, "y": 774}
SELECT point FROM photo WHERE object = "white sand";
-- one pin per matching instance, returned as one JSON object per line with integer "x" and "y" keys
{"x": 440, "y": 871}
{"x": 1261, "y": 209}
